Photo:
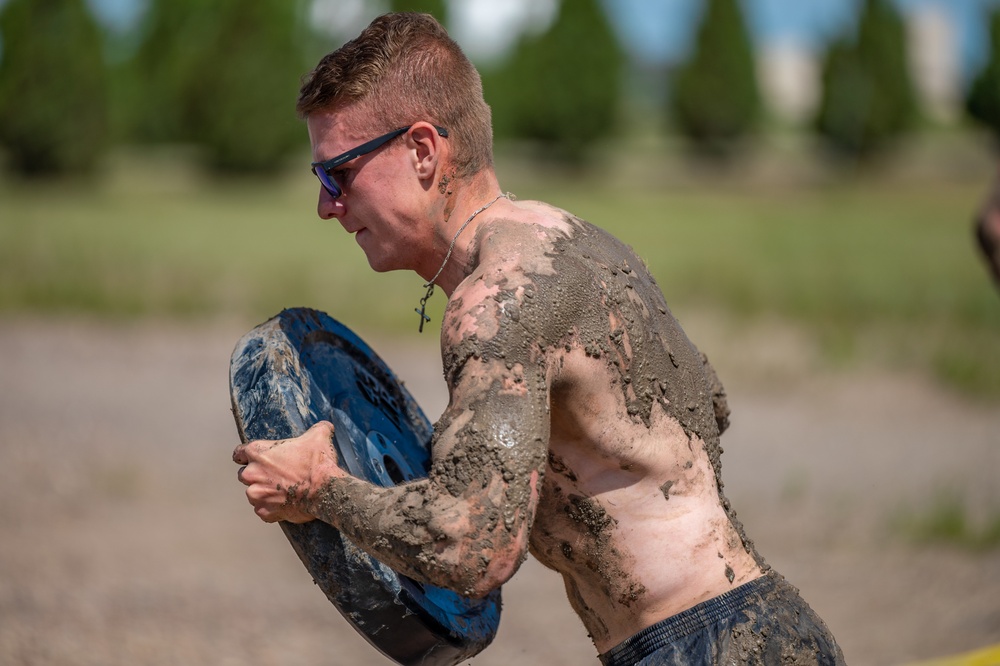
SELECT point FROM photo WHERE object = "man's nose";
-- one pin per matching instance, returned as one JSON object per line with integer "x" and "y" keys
{"x": 328, "y": 207}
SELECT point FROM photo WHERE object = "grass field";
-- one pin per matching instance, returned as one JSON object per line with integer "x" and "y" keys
{"x": 873, "y": 267}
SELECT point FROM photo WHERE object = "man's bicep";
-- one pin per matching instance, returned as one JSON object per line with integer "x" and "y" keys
{"x": 496, "y": 424}
{"x": 497, "y": 421}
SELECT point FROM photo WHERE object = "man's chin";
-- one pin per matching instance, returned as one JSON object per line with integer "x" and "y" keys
{"x": 379, "y": 264}
{"x": 379, "y": 268}
{"x": 379, "y": 260}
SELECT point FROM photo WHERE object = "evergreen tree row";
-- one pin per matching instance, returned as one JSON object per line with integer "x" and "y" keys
{"x": 223, "y": 75}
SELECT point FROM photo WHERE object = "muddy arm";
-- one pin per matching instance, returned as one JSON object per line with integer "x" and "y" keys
{"x": 466, "y": 527}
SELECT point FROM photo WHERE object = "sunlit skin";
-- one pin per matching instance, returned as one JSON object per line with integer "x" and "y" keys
{"x": 538, "y": 448}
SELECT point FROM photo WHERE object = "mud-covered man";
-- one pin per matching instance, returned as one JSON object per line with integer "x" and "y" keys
{"x": 582, "y": 425}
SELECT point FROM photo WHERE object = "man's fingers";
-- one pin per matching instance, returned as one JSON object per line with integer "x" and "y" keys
{"x": 263, "y": 463}
{"x": 265, "y": 514}
{"x": 269, "y": 515}
{"x": 252, "y": 474}
{"x": 244, "y": 453}
{"x": 298, "y": 517}
{"x": 323, "y": 426}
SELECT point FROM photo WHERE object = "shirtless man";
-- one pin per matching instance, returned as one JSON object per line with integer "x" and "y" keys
{"x": 582, "y": 425}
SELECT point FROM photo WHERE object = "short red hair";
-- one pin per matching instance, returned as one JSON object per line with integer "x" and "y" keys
{"x": 402, "y": 68}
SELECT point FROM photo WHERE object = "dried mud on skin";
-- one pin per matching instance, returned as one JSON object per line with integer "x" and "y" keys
{"x": 595, "y": 294}
{"x": 579, "y": 289}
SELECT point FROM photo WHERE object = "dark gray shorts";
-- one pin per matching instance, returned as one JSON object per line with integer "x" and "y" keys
{"x": 763, "y": 622}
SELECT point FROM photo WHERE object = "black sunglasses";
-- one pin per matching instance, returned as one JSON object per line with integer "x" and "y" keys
{"x": 323, "y": 169}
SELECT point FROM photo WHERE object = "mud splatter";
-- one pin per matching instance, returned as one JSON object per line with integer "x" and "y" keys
{"x": 632, "y": 594}
{"x": 444, "y": 183}
{"x": 588, "y": 513}
{"x": 557, "y": 465}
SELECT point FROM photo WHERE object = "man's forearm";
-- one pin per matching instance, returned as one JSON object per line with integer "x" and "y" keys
{"x": 417, "y": 529}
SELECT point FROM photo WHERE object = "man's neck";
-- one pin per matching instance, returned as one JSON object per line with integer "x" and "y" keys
{"x": 465, "y": 206}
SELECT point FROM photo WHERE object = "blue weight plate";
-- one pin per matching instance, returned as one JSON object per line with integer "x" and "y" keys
{"x": 301, "y": 367}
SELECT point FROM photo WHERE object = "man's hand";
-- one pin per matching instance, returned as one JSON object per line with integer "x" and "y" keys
{"x": 283, "y": 476}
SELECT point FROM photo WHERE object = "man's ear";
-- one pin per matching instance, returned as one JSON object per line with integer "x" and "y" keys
{"x": 428, "y": 148}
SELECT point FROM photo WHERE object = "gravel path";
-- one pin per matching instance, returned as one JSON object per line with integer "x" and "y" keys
{"x": 127, "y": 540}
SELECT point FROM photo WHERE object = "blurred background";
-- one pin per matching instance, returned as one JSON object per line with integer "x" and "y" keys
{"x": 819, "y": 162}
{"x": 800, "y": 176}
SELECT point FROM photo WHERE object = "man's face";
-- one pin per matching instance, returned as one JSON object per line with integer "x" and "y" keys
{"x": 376, "y": 189}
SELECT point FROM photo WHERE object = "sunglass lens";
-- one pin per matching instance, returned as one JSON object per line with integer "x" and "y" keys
{"x": 327, "y": 182}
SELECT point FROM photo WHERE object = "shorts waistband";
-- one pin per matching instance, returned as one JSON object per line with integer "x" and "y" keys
{"x": 652, "y": 638}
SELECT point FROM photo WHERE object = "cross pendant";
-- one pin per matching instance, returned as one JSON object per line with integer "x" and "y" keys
{"x": 423, "y": 317}
{"x": 423, "y": 304}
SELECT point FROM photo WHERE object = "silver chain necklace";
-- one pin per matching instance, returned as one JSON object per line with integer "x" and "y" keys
{"x": 430, "y": 284}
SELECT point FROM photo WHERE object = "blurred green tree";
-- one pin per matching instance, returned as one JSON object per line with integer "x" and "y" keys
{"x": 715, "y": 100}
{"x": 53, "y": 87}
{"x": 983, "y": 100}
{"x": 561, "y": 89}
{"x": 436, "y": 8}
{"x": 177, "y": 34}
{"x": 868, "y": 98}
{"x": 223, "y": 75}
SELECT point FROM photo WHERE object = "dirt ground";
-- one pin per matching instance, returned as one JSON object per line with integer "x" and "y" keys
{"x": 126, "y": 538}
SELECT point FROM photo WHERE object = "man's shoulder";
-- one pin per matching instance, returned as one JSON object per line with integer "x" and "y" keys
{"x": 512, "y": 283}
{"x": 523, "y": 236}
